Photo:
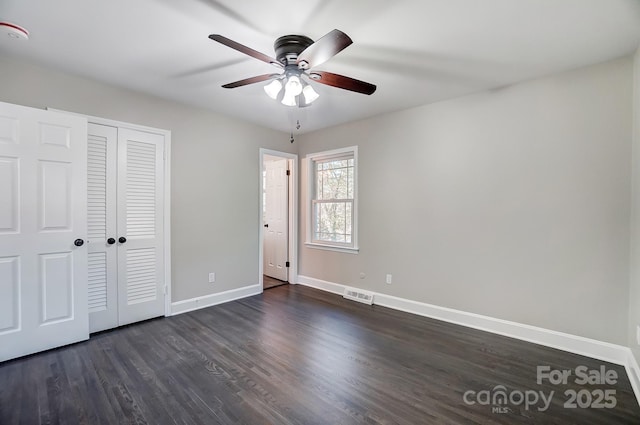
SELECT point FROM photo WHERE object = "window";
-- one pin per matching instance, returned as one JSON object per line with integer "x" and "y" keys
{"x": 333, "y": 199}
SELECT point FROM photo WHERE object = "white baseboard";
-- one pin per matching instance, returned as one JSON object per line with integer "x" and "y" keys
{"x": 334, "y": 288}
{"x": 196, "y": 303}
{"x": 600, "y": 350}
{"x": 633, "y": 372}
{"x": 567, "y": 342}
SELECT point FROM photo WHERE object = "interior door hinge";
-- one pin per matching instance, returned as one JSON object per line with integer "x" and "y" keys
{"x": 288, "y": 173}
{"x": 165, "y": 290}
{"x": 287, "y": 264}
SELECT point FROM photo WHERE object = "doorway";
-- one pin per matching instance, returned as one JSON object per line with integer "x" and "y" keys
{"x": 278, "y": 218}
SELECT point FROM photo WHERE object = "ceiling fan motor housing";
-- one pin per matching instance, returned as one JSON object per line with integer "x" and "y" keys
{"x": 297, "y": 54}
{"x": 288, "y": 47}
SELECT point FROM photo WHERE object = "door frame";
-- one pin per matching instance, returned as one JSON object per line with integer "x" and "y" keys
{"x": 293, "y": 215}
{"x": 167, "y": 190}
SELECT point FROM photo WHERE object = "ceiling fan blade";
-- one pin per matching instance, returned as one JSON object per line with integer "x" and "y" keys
{"x": 244, "y": 49}
{"x": 323, "y": 49}
{"x": 251, "y": 80}
{"x": 342, "y": 82}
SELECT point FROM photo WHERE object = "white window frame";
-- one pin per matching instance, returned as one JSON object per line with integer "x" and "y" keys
{"x": 311, "y": 160}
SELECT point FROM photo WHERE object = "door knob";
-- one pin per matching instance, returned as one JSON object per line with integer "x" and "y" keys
{"x": 122, "y": 239}
{"x": 78, "y": 242}
{"x": 111, "y": 241}
{"x": 266, "y": 225}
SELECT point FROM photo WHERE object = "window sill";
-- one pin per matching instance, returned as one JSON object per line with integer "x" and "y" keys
{"x": 335, "y": 248}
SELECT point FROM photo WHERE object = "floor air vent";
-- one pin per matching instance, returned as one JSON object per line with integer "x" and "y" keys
{"x": 358, "y": 295}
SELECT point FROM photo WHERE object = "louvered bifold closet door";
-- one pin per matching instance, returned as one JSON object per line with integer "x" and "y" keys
{"x": 140, "y": 221}
{"x": 102, "y": 288}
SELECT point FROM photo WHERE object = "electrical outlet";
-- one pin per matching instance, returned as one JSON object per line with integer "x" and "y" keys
{"x": 212, "y": 277}
{"x": 389, "y": 279}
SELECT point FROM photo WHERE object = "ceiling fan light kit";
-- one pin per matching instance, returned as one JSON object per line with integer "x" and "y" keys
{"x": 297, "y": 92}
{"x": 296, "y": 55}
{"x": 309, "y": 94}
{"x": 273, "y": 89}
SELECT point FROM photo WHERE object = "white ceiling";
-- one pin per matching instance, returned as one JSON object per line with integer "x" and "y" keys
{"x": 415, "y": 51}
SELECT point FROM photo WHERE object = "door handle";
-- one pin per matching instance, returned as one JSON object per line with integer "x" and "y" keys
{"x": 78, "y": 242}
{"x": 111, "y": 241}
{"x": 122, "y": 239}
{"x": 266, "y": 225}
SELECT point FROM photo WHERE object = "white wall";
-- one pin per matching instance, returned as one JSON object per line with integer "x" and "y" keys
{"x": 215, "y": 171}
{"x": 634, "y": 289}
{"x": 513, "y": 203}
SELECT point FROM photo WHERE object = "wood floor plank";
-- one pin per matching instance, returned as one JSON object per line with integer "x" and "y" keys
{"x": 294, "y": 355}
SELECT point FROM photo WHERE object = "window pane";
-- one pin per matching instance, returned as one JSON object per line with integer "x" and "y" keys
{"x": 332, "y": 237}
{"x": 323, "y": 224}
{"x": 348, "y": 216}
{"x": 336, "y": 163}
{"x": 333, "y": 221}
{"x": 335, "y": 184}
{"x": 319, "y": 185}
{"x": 332, "y": 217}
{"x": 334, "y": 179}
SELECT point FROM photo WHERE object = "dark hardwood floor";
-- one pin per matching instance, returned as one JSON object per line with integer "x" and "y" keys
{"x": 295, "y": 355}
{"x": 269, "y": 282}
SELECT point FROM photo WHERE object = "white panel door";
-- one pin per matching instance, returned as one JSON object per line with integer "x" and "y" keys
{"x": 102, "y": 143}
{"x": 43, "y": 273}
{"x": 276, "y": 232}
{"x": 140, "y": 193}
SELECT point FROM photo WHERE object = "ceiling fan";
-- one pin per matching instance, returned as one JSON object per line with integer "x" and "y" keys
{"x": 296, "y": 55}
